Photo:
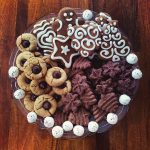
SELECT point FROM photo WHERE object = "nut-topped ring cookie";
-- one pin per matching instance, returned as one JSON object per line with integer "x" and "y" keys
{"x": 45, "y": 105}
{"x": 63, "y": 89}
{"x": 29, "y": 100}
{"x": 57, "y": 97}
{"x": 23, "y": 82}
{"x": 26, "y": 42}
{"x": 22, "y": 58}
{"x": 55, "y": 76}
{"x": 35, "y": 68}
{"x": 39, "y": 87}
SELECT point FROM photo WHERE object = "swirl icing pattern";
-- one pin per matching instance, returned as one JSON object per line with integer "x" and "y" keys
{"x": 85, "y": 38}
{"x": 44, "y": 34}
{"x": 113, "y": 45}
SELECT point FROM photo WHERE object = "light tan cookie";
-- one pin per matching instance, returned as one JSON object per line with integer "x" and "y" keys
{"x": 35, "y": 68}
{"x": 63, "y": 89}
{"x": 39, "y": 87}
{"x": 49, "y": 62}
{"x": 23, "y": 82}
{"x": 55, "y": 76}
{"x": 22, "y": 58}
{"x": 29, "y": 100}
{"x": 45, "y": 105}
{"x": 57, "y": 97}
{"x": 26, "y": 42}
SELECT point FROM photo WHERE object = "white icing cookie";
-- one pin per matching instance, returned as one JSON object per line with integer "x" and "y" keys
{"x": 112, "y": 118}
{"x": 19, "y": 94}
{"x": 48, "y": 122}
{"x": 137, "y": 74}
{"x": 31, "y": 117}
{"x": 87, "y": 14}
{"x": 57, "y": 131}
{"x": 13, "y": 72}
{"x": 124, "y": 99}
{"x": 132, "y": 58}
{"x": 78, "y": 130}
{"x": 67, "y": 126}
{"x": 93, "y": 126}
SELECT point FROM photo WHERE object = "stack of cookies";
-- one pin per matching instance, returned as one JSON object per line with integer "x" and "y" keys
{"x": 74, "y": 71}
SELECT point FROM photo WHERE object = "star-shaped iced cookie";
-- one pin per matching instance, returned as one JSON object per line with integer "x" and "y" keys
{"x": 63, "y": 51}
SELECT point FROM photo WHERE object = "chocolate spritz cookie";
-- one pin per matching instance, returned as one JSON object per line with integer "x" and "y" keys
{"x": 76, "y": 72}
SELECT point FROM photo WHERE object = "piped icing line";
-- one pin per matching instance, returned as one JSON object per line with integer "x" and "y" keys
{"x": 60, "y": 25}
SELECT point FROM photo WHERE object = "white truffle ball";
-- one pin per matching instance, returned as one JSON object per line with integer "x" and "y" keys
{"x": 112, "y": 118}
{"x": 124, "y": 99}
{"x": 93, "y": 126}
{"x": 132, "y": 58}
{"x": 57, "y": 131}
{"x": 13, "y": 72}
{"x": 31, "y": 117}
{"x": 19, "y": 94}
{"x": 137, "y": 74}
{"x": 87, "y": 14}
{"x": 48, "y": 122}
{"x": 67, "y": 126}
{"x": 78, "y": 130}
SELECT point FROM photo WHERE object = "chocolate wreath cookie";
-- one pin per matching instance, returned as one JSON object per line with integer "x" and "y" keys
{"x": 76, "y": 72}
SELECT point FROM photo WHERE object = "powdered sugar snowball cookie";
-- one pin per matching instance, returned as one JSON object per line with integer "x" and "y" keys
{"x": 87, "y": 14}
{"x": 19, "y": 94}
{"x": 67, "y": 126}
{"x": 137, "y": 74}
{"x": 57, "y": 131}
{"x": 124, "y": 99}
{"x": 31, "y": 117}
{"x": 132, "y": 58}
{"x": 93, "y": 126}
{"x": 112, "y": 118}
{"x": 48, "y": 122}
{"x": 13, "y": 72}
{"x": 78, "y": 130}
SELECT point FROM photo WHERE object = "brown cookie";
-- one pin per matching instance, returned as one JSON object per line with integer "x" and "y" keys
{"x": 55, "y": 76}
{"x": 39, "y": 87}
{"x": 22, "y": 58}
{"x": 45, "y": 105}
{"x": 35, "y": 68}
{"x": 29, "y": 100}
{"x": 63, "y": 89}
{"x": 26, "y": 42}
{"x": 23, "y": 82}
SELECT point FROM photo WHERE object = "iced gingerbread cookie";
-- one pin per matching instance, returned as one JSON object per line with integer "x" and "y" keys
{"x": 45, "y": 105}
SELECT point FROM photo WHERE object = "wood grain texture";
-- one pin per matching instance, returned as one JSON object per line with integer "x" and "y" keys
{"x": 133, "y": 132}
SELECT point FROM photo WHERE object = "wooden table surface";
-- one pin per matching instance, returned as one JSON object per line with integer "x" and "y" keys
{"x": 132, "y": 133}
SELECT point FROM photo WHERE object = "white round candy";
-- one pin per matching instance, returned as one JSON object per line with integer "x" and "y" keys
{"x": 137, "y": 74}
{"x": 48, "y": 122}
{"x": 93, "y": 126}
{"x": 19, "y": 94}
{"x": 67, "y": 126}
{"x": 13, "y": 72}
{"x": 31, "y": 117}
{"x": 112, "y": 118}
{"x": 87, "y": 14}
{"x": 132, "y": 58}
{"x": 57, "y": 131}
{"x": 78, "y": 130}
{"x": 124, "y": 99}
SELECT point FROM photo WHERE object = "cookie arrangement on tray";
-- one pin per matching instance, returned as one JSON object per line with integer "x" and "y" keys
{"x": 74, "y": 73}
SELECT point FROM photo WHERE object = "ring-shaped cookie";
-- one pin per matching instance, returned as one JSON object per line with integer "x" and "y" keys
{"x": 22, "y": 58}
{"x": 26, "y": 42}
{"x": 35, "y": 68}
{"x": 45, "y": 105}
{"x": 39, "y": 87}
{"x": 29, "y": 101}
{"x": 63, "y": 89}
{"x": 23, "y": 82}
{"x": 55, "y": 76}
